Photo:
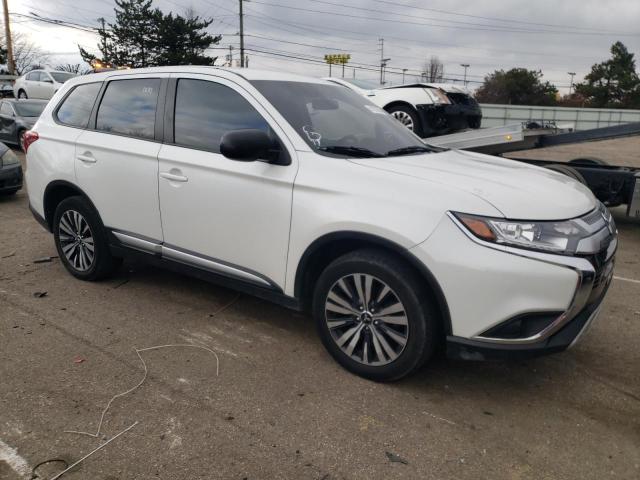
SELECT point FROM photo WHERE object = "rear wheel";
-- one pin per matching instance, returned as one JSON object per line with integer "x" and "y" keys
{"x": 22, "y": 94}
{"x": 81, "y": 240}
{"x": 588, "y": 161}
{"x": 373, "y": 317}
{"x": 408, "y": 117}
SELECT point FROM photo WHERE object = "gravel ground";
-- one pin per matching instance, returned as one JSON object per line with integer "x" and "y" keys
{"x": 280, "y": 406}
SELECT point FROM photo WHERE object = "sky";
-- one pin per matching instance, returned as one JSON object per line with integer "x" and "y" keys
{"x": 554, "y": 36}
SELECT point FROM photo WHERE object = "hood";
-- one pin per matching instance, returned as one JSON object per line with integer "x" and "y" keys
{"x": 518, "y": 190}
{"x": 446, "y": 87}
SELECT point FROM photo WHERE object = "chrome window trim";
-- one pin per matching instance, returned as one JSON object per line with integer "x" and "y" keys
{"x": 584, "y": 269}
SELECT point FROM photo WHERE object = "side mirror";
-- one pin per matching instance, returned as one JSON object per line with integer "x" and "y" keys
{"x": 246, "y": 145}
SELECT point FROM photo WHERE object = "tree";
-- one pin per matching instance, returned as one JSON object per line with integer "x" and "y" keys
{"x": 182, "y": 41}
{"x": 76, "y": 68}
{"x": 25, "y": 53}
{"x": 143, "y": 36}
{"x": 613, "y": 83}
{"x": 433, "y": 70}
{"x": 518, "y": 86}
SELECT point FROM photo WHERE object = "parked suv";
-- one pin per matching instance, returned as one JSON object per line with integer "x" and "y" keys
{"x": 40, "y": 83}
{"x": 303, "y": 192}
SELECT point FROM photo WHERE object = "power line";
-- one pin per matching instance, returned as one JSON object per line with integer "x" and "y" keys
{"x": 507, "y": 20}
{"x": 386, "y": 20}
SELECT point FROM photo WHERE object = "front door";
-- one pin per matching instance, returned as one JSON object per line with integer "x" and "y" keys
{"x": 117, "y": 159}
{"x": 223, "y": 215}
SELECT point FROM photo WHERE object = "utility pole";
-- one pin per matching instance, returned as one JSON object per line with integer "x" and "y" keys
{"x": 381, "y": 43}
{"x": 7, "y": 32}
{"x": 231, "y": 55}
{"x": 571, "y": 74}
{"x": 404, "y": 70}
{"x": 241, "y": 35}
{"x": 465, "y": 65}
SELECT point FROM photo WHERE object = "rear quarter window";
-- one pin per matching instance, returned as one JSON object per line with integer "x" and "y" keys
{"x": 76, "y": 107}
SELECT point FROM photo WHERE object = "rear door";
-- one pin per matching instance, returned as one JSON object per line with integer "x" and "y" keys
{"x": 117, "y": 157}
{"x": 223, "y": 215}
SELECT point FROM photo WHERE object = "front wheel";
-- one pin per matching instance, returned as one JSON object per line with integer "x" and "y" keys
{"x": 408, "y": 117}
{"x": 22, "y": 94}
{"x": 81, "y": 240}
{"x": 373, "y": 317}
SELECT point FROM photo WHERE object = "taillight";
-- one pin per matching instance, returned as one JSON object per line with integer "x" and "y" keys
{"x": 29, "y": 137}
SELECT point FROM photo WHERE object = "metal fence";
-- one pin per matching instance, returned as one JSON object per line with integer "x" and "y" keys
{"x": 576, "y": 118}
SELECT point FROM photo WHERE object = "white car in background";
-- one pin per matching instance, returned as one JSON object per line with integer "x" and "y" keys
{"x": 428, "y": 109}
{"x": 40, "y": 83}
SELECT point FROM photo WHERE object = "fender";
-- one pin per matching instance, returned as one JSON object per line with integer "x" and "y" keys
{"x": 356, "y": 240}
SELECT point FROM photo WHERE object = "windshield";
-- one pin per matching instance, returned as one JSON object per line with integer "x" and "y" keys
{"x": 334, "y": 120}
{"x": 29, "y": 109}
{"x": 61, "y": 77}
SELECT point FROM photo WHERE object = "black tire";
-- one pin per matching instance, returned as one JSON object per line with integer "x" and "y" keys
{"x": 417, "y": 127}
{"x": 588, "y": 161}
{"x": 568, "y": 171}
{"x": 8, "y": 193}
{"x": 22, "y": 94}
{"x": 423, "y": 329}
{"x": 103, "y": 263}
{"x": 21, "y": 139}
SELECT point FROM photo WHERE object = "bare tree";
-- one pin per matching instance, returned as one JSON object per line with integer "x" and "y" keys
{"x": 25, "y": 52}
{"x": 433, "y": 70}
{"x": 76, "y": 68}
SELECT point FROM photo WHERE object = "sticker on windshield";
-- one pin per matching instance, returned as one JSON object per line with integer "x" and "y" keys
{"x": 314, "y": 137}
{"x": 374, "y": 109}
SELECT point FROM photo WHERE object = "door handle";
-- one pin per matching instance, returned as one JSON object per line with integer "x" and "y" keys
{"x": 86, "y": 157}
{"x": 174, "y": 177}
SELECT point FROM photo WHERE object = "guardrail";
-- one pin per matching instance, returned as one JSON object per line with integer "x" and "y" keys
{"x": 576, "y": 118}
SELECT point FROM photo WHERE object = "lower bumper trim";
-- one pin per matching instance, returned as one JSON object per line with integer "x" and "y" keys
{"x": 467, "y": 349}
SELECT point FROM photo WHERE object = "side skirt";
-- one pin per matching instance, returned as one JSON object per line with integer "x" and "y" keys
{"x": 150, "y": 253}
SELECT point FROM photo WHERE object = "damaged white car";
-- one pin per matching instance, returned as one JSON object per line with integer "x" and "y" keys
{"x": 428, "y": 109}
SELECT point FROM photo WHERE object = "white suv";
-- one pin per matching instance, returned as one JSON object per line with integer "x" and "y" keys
{"x": 40, "y": 83}
{"x": 303, "y": 192}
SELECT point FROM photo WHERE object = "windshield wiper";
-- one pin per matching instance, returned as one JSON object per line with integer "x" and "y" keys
{"x": 351, "y": 151}
{"x": 413, "y": 149}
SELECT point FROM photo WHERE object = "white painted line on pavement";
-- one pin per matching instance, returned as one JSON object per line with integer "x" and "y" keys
{"x": 630, "y": 280}
{"x": 15, "y": 461}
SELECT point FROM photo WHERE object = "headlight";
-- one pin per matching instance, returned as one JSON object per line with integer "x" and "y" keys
{"x": 9, "y": 158}
{"x": 555, "y": 237}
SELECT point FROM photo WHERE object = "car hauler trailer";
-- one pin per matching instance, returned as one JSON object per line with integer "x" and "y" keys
{"x": 613, "y": 185}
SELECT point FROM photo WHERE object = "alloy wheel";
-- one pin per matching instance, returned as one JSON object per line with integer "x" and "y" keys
{"x": 76, "y": 240}
{"x": 404, "y": 118}
{"x": 366, "y": 319}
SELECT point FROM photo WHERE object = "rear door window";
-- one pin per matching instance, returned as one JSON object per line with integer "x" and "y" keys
{"x": 205, "y": 111}
{"x": 128, "y": 107}
{"x": 75, "y": 109}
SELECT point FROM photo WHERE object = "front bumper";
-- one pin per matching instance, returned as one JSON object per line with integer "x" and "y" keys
{"x": 506, "y": 301}
{"x": 567, "y": 336}
{"x": 443, "y": 119}
{"x": 11, "y": 178}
